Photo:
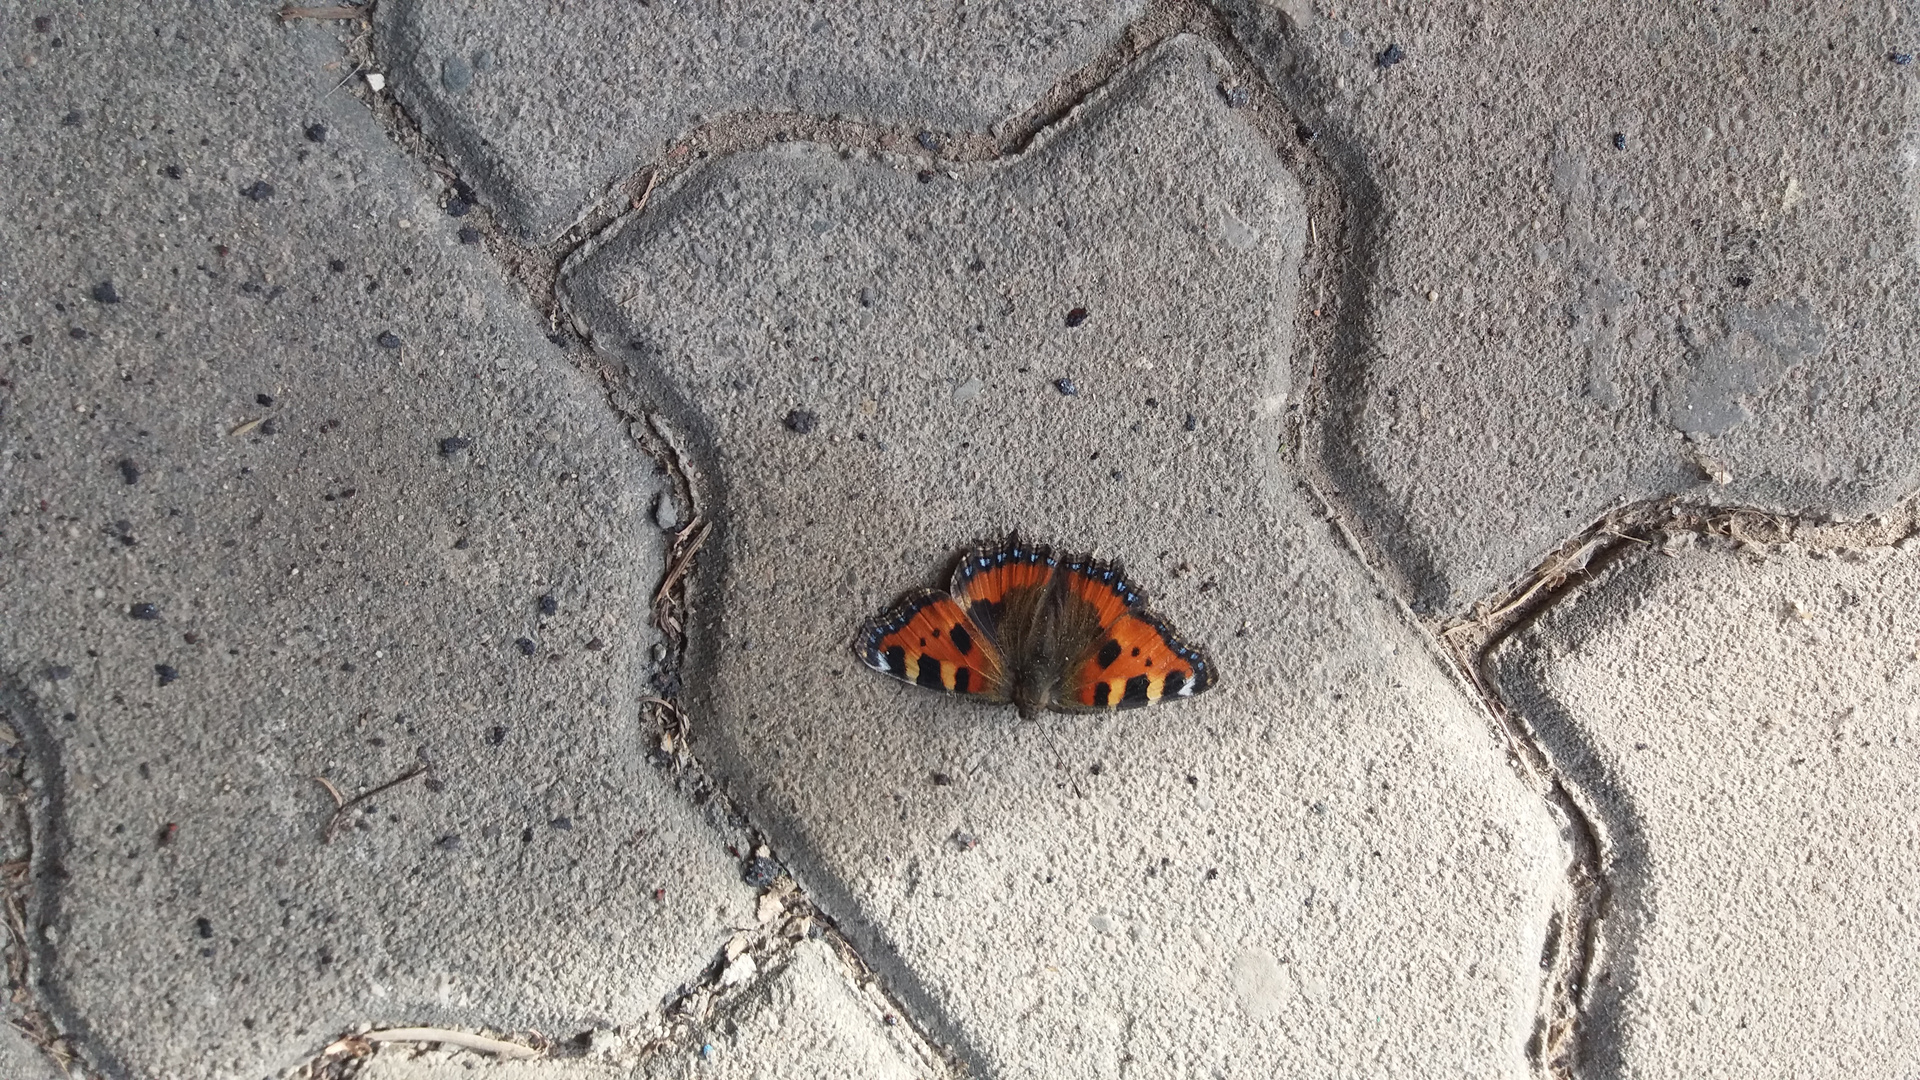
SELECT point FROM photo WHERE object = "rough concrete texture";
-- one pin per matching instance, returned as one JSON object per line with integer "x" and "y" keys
{"x": 1603, "y": 253}
{"x": 1755, "y": 790}
{"x": 1325, "y": 864}
{"x": 807, "y": 1019}
{"x": 543, "y": 107}
{"x": 239, "y": 554}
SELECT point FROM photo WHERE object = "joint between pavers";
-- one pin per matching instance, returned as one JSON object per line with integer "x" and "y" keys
{"x": 1577, "y": 944}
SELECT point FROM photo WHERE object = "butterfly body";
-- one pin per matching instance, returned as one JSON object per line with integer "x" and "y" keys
{"x": 1042, "y": 631}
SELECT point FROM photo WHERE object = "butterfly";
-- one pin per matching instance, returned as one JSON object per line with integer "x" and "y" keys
{"x": 1020, "y": 624}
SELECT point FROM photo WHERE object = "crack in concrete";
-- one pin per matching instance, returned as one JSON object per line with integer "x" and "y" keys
{"x": 1572, "y": 1020}
{"x": 34, "y": 897}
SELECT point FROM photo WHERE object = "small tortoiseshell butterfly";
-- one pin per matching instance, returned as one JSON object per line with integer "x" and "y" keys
{"x": 1020, "y": 624}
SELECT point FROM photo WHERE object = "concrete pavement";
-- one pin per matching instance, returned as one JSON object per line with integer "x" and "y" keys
{"x": 446, "y": 453}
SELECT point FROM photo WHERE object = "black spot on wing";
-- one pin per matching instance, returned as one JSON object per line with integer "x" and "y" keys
{"x": 962, "y": 677}
{"x": 1108, "y": 654}
{"x": 962, "y": 640}
{"x": 1100, "y": 694}
{"x": 1175, "y": 680}
{"x": 930, "y": 674}
{"x": 897, "y": 660}
{"x": 1136, "y": 691}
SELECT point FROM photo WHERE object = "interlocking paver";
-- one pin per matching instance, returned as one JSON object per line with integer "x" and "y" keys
{"x": 1324, "y": 864}
{"x": 1603, "y": 253}
{"x": 1743, "y": 727}
{"x": 248, "y": 543}
{"x": 545, "y": 107}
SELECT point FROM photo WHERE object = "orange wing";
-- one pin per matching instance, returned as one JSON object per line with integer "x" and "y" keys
{"x": 927, "y": 639}
{"x": 994, "y": 581}
{"x": 1136, "y": 658}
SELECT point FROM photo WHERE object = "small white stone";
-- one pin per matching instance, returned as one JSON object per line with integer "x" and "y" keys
{"x": 739, "y": 970}
{"x": 376, "y": 80}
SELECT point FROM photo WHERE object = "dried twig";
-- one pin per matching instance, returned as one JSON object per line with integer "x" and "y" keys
{"x": 453, "y": 1038}
{"x": 341, "y": 806}
{"x": 666, "y": 598}
{"x": 640, "y": 204}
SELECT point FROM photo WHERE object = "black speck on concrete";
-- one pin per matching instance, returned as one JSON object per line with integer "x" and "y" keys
{"x": 388, "y": 339}
{"x": 316, "y": 133}
{"x": 448, "y": 842}
{"x": 456, "y": 74}
{"x": 203, "y": 926}
{"x": 1076, "y": 316}
{"x": 174, "y": 172}
{"x": 525, "y": 645}
{"x": 548, "y": 605}
{"x": 453, "y": 444}
{"x": 58, "y": 672}
{"x": 1192, "y": 423}
{"x": 458, "y": 207}
{"x": 1304, "y": 133}
{"x": 167, "y": 672}
{"x": 77, "y": 334}
{"x": 469, "y": 234}
{"x": 144, "y": 612}
{"x": 1389, "y": 56}
{"x": 799, "y": 421}
{"x": 929, "y": 141}
{"x": 925, "y": 176}
{"x": 338, "y": 266}
{"x": 129, "y": 471}
{"x": 462, "y": 544}
{"x": 263, "y": 399}
{"x": 269, "y": 426}
{"x": 73, "y": 119}
{"x": 496, "y": 734}
{"x": 258, "y": 191}
{"x": 760, "y": 872}
{"x": 1235, "y": 94}
{"x": 106, "y": 293}
{"x": 1619, "y": 140}
{"x": 1066, "y": 387}
{"x": 563, "y": 823}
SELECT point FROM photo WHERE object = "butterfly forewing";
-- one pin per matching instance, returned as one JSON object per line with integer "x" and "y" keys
{"x": 1135, "y": 658}
{"x": 928, "y": 640}
{"x": 1138, "y": 661}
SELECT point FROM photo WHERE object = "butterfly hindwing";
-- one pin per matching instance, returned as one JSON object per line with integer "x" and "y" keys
{"x": 1134, "y": 658}
{"x": 928, "y": 640}
{"x": 999, "y": 586}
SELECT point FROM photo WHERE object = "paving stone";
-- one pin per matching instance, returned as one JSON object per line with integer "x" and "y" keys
{"x": 807, "y": 1019}
{"x": 1605, "y": 253}
{"x": 1322, "y": 865}
{"x": 1743, "y": 729}
{"x": 542, "y": 108}
{"x": 237, "y": 555}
